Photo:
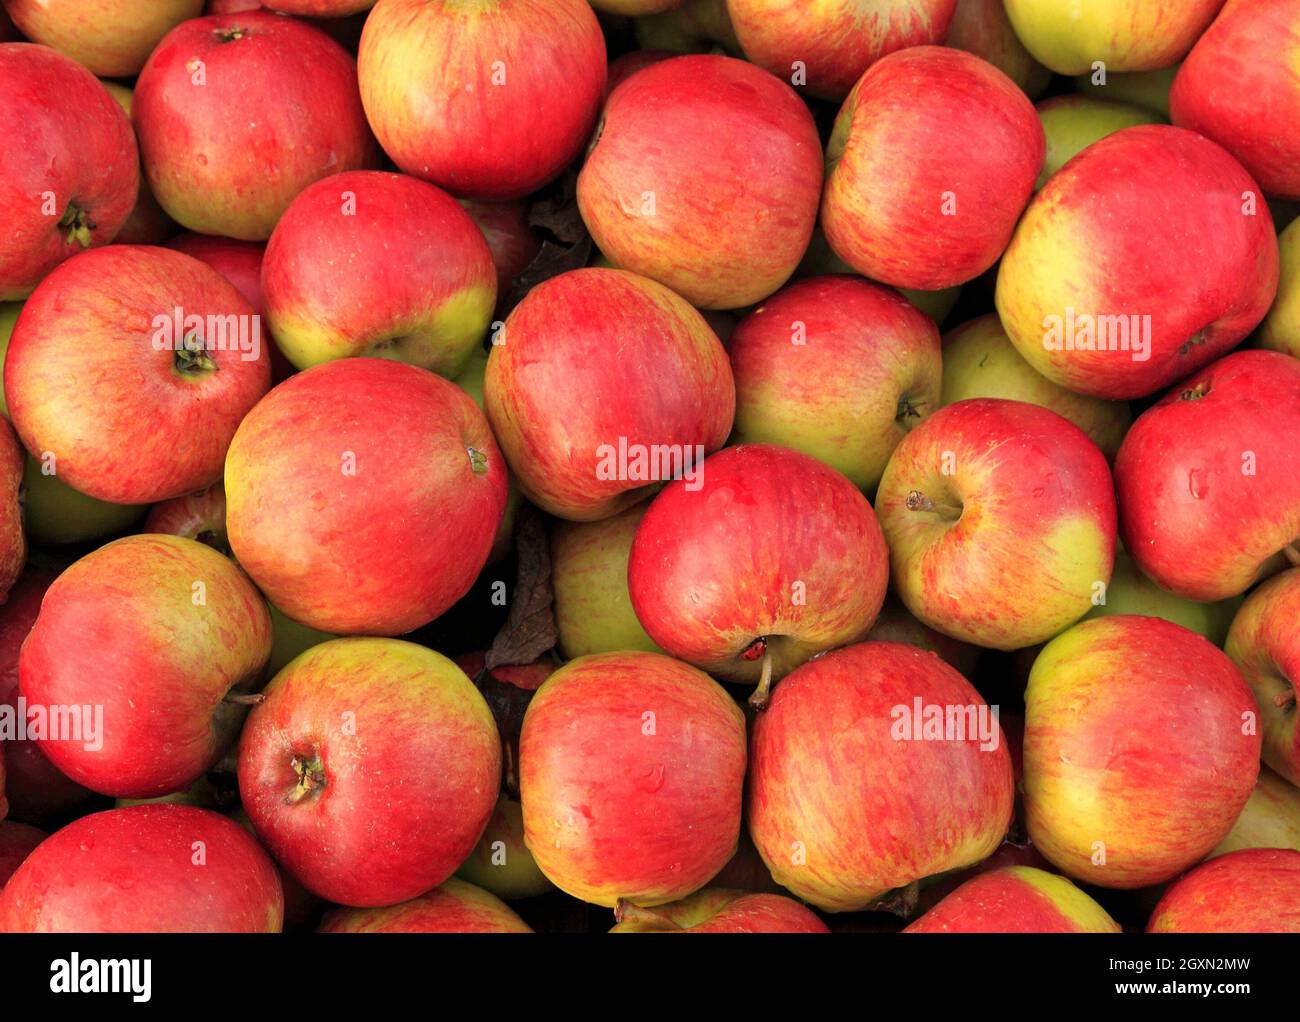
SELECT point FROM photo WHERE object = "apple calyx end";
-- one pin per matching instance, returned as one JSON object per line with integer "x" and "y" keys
{"x": 76, "y": 221}
{"x": 231, "y": 33}
{"x": 478, "y": 462}
{"x": 909, "y": 412}
{"x": 310, "y": 771}
{"x": 192, "y": 358}
{"x": 918, "y": 501}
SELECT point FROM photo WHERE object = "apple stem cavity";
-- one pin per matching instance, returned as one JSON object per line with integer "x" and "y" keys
{"x": 626, "y": 912}
{"x": 311, "y": 777}
{"x": 918, "y": 501}
{"x": 761, "y": 694}
{"x": 78, "y": 225}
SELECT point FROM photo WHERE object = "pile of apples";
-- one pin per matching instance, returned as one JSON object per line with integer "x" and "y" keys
{"x": 468, "y": 453}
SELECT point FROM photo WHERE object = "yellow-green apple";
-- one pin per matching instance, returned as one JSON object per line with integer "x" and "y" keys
{"x": 981, "y": 27}
{"x": 371, "y": 263}
{"x": 313, "y": 477}
{"x": 836, "y": 367}
{"x": 1131, "y": 592}
{"x": 979, "y": 360}
{"x": 1124, "y": 35}
{"x": 695, "y": 26}
{"x": 773, "y": 559}
{"x": 534, "y": 71}
{"x": 719, "y": 910}
{"x": 300, "y": 119}
{"x": 69, "y": 170}
{"x": 1208, "y": 493}
{"x": 147, "y": 224}
{"x": 17, "y": 841}
{"x": 1238, "y": 86}
{"x": 510, "y": 239}
{"x": 145, "y": 869}
{"x": 827, "y": 45}
{"x": 383, "y": 752}
{"x": 289, "y": 638}
{"x": 1086, "y": 306}
{"x": 454, "y": 907}
{"x": 1270, "y": 819}
{"x": 1072, "y": 123}
{"x": 110, "y": 37}
{"x": 642, "y": 802}
{"x": 593, "y": 611}
{"x": 1280, "y": 330}
{"x": 171, "y": 636}
{"x": 1141, "y": 747}
{"x": 1256, "y": 890}
{"x": 872, "y": 768}
{"x": 605, "y": 385}
{"x": 500, "y": 862}
{"x": 704, "y": 175}
{"x": 908, "y": 201}
{"x": 1016, "y": 899}
{"x": 56, "y": 514}
{"x": 896, "y": 624}
{"x": 1000, "y": 521}
{"x": 1264, "y": 642}
{"x": 1147, "y": 89}
{"x": 13, "y": 540}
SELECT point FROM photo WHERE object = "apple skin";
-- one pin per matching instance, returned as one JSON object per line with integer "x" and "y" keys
{"x": 111, "y": 38}
{"x": 1270, "y": 819}
{"x": 537, "y": 68}
{"x": 103, "y": 432}
{"x": 981, "y": 27}
{"x": 717, "y": 910}
{"x": 593, "y": 610}
{"x": 147, "y": 224}
{"x": 1127, "y": 35}
{"x": 705, "y": 176}
{"x": 510, "y": 238}
{"x": 979, "y": 360}
{"x": 1134, "y": 741}
{"x": 838, "y": 368}
{"x": 17, "y": 841}
{"x": 199, "y": 516}
{"x": 776, "y": 557}
{"x": 643, "y": 802}
{"x": 1072, "y": 123}
{"x": 571, "y": 379}
{"x": 278, "y": 110}
{"x": 907, "y": 201}
{"x": 134, "y": 870}
{"x": 836, "y": 40}
{"x": 1022, "y": 528}
{"x": 896, "y": 624}
{"x": 1017, "y": 899}
{"x": 312, "y": 477}
{"x": 1131, "y": 592}
{"x": 517, "y": 875}
{"x": 1182, "y": 195}
{"x": 454, "y": 907}
{"x": 1280, "y": 330}
{"x": 870, "y": 813}
{"x": 1264, "y": 642}
{"x": 321, "y": 8}
{"x": 624, "y": 67}
{"x": 1252, "y": 891}
{"x": 1192, "y": 519}
{"x": 471, "y": 382}
{"x": 146, "y": 641}
{"x": 66, "y": 140}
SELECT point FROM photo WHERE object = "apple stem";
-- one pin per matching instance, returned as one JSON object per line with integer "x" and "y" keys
{"x": 918, "y": 501}
{"x": 1292, "y": 552}
{"x": 243, "y": 698}
{"x": 761, "y": 694}
{"x": 626, "y": 912}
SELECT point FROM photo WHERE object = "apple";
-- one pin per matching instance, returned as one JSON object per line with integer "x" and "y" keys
{"x": 1072, "y": 123}
{"x": 510, "y": 239}
{"x": 1131, "y": 592}
{"x": 773, "y": 559}
{"x": 908, "y": 200}
{"x": 1238, "y": 86}
{"x": 1252, "y": 891}
{"x": 454, "y": 907}
{"x": 1000, "y": 521}
{"x": 200, "y": 516}
{"x": 895, "y": 624}
{"x": 370, "y": 263}
{"x": 704, "y": 175}
{"x": 1208, "y": 493}
{"x": 1123, "y": 35}
{"x": 1280, "y": 330}
{"x": 321, "y": 8}
{"x": 185, "y": 870}
{"x": 848, "y": 800}
{"x": 746, "y": 870}
{"x": 838, "y": 368}
{"x": 471, "y": 382}
{"x": 1016, "y": 899}
{"x": 1147, "y": 89}
{"x": 622, "y": 68}
{"x": 17, "y": 840}
{"x": 167, "y": 624}
{"x": 532, "y": 70}
{"x": 593, "y": 610}
{"x": 69, "y": 171}
{"x": 717, "y": 910}
{"x": 828, "y": 46}
{"x": 147, "y": 224}
{"x": 300, "y": 119}
{"x": 110, "y": 37}
{"x": 981, "y": 27}
{"x": 979, "y": 360}
{"x": 383, "y": 752}
{"x": 500, "y": 862}
{"x": 1096, "y": 314}
{"x": 587, "y": 427}
{"x": 13, "y": 541}
{"x": 1140, "y": 750}
{"x": 1270, "y": 819}
{"x": 642, "y": 802}
{"x": 696, "y": 26}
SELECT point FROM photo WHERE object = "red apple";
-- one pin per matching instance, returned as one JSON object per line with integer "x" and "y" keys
{"x": 69, "y": 169}
{"x": 200, "y": 516}
{"x": 642, "y": 802}
{"x": 17, "y": 840}
{"x": 147, "y": 224}
{"x": 320, "y": 8}
{"x": 622, "y": 68}
{"x": 1209, "y": 496}
{"x": 238, "y": 113}
{"x": 704, "y": 175}
{"x": 773, "y": 559}
{"x": 382, "y": 752}
{"x": 149, "y": 336}
{"x": 510, "y": 239}
{"x": 909, "y": 200}
{"x": 318, "y": 467}
{"x": 1016, "y": 899}
{"x": 981, "y": 27}
{"x": 852, "y": 793}
{"x": 588, "y": 428}
{"x": 455, "y": 907}
{"x": 489, "y": 101}
{"x": 145, "y": 869}
{"x": 110, "y": 37}
{"x": 716, "y": 910}
{"x": 1251, "y": 891}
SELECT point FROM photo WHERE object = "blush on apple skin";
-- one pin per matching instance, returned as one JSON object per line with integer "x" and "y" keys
{"x": 1256, "y": 890}
{"x": 454, "y": 907}
{"x": 715, "y": 910}
{"x": 1016, "y": 899}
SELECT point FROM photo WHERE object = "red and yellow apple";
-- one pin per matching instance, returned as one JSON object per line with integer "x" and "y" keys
{"x": 1072, "y": 123}
{"x": 110, "y": 37}
{"x": 982, "y": 27}
{"x": 1251, "y": 891}
{"x": 718, "y": 910}
{"x": 1270, "y": 818}
{"x": 453, "y": 907}
{"x": 1017, "y": 899}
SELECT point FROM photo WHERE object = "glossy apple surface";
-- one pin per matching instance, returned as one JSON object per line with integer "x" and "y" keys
{"x": 454, "y": 907}
{"x": 1252, "y": 891}
{"x": 1017, "y": 899}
